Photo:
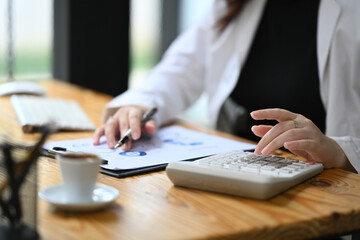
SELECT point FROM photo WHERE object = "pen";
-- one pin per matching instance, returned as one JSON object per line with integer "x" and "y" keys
{"x": 146, "y": 117}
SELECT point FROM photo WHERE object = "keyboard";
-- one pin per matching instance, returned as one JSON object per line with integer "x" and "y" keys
{"x": 34, "y": 112}
{"x": 242, "y": 174}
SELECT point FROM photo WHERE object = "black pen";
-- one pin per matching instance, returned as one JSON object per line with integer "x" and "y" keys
{"x": 146, "y": 117}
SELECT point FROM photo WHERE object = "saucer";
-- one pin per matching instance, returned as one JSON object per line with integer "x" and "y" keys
{"x": 102, "y": 196}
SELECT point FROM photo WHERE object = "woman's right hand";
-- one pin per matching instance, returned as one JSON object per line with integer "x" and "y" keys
{"x": 125, "y": 118}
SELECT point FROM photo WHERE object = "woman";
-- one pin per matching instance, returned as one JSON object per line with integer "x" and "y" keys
{"x": 302, "y": 56}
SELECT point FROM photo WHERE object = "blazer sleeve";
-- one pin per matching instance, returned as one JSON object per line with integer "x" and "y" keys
{"x": 178, "y": 80}
{"x": 351, "y": 147}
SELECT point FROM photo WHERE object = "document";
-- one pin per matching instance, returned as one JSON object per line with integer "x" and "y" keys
{"x": 169, "y": 144}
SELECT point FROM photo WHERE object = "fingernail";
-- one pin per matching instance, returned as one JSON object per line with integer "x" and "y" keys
{"x": 265, "y": 151}
{"x": 135, "y": 135}
{"x": 257, "y": 150}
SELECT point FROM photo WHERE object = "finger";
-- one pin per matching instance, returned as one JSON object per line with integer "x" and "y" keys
{"x": 272, "y": 134}
{"x": 135, "y": 117}
{"x": 111, "y": 131}
{"x": 123, "y": 123}
{"x": 150, "y": 127}
{"x": 260, "y": 130}
{"x": 127, "y": 146}
{"x": 292, "y": 147}
{"x": 303, "y": 144}
{"x": 276, "y": 143}
{"x": 298, "y": 152}
{"x": 302, "y": 154}
{"x": 306, "y": 148}
{"x": 97, "y": 134}
{"x": 273, "y": 114}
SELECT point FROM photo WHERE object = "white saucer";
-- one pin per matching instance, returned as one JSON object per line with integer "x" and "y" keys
{"x": 103, "y": 195}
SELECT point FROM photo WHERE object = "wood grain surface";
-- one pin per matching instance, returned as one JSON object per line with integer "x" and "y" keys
{"x": 150, "y": 207}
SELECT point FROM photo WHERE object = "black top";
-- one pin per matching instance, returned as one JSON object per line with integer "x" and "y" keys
{"x": 281, "y": 69}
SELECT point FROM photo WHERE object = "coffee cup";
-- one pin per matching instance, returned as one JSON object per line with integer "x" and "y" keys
{"x": 79, "y": 173}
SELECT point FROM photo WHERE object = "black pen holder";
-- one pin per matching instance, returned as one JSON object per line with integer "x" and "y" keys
{"x": 18, "y": 200}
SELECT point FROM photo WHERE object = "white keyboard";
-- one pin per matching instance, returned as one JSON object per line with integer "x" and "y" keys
{"x": 34, "y": 112}
{"x": 242, "y": 174}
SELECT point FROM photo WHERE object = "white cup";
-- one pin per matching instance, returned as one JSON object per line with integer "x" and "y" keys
{"x": 79, "y": 173}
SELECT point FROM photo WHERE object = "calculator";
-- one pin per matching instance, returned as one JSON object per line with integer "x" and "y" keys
{"x": 242, "y": 174}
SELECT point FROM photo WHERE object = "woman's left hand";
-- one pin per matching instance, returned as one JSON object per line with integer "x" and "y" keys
{"x": 299, "y": 135}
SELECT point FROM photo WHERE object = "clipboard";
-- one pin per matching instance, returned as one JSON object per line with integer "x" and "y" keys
{"x": 151, "y": 152}
{"x": 133, "y": 172}
{"x": 117, "y": 173}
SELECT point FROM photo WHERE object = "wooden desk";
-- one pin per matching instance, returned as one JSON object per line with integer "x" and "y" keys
{"x": 150, "y": 207}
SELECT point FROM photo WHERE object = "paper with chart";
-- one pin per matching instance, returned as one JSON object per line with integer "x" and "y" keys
{"x": 169, "y": 144}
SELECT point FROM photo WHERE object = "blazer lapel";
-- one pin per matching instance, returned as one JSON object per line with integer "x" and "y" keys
{"x": 329, "y": 12}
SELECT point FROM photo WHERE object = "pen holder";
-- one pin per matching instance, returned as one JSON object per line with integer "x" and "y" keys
{"x": 18, "y": 206}
{"x": 18, "y": 190}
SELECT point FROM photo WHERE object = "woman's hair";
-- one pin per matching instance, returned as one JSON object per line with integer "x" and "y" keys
{"x": 233, "y": 9}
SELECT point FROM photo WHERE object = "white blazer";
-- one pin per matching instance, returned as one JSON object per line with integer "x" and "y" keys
{"x": 202, "y": 60}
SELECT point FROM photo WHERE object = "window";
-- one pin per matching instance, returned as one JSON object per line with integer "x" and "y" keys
{"x": 146, "y": 19}
{"x": 191, "y": 10}
{"x": 32, "y": 38}
{"x": 144, "y": 38}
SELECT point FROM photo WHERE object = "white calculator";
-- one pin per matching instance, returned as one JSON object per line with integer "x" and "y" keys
{"x": 242, "y": 174}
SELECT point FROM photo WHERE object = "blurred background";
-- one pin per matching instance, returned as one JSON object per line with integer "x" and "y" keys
{"x": 32, "y": 29}
{"x": 93, "y": 43}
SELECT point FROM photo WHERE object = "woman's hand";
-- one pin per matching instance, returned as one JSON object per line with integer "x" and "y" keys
{"x": 125, "y": 118}
{"x": 299, "y": 135}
